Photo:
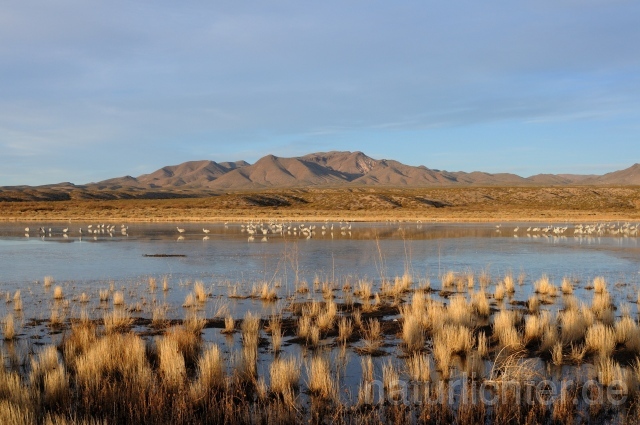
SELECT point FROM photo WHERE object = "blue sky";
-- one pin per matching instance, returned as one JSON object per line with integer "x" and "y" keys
{"x": 92, "y": 90}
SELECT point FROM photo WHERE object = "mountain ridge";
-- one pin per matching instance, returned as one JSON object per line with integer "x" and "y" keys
{"x": 319, "y": 169}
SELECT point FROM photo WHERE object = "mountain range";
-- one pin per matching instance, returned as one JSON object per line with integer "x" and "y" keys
{"x": 322, "y": 169}
{"x": 329, "y": 169}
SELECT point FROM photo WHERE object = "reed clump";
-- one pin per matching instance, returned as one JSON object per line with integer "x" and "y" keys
{"x": 8, "y": 328}
{"x": 321, "y": 383}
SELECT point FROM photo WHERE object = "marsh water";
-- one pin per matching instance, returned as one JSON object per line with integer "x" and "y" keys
{"x": 231, "y": 263}
{"x": 229, "y": 259}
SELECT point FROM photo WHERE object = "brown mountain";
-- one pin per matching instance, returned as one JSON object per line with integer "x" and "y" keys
{"x": 338, "y": 169}
{"x": 322, "y": 169}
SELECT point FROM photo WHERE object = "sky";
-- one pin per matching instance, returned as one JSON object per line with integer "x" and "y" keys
{"x": 91, "y": 90}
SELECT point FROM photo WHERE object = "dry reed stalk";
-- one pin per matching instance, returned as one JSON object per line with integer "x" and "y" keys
{"x": 152, "y": 284}
{"x": 229, "y": 325}
{"x": 601, "y": 339}
{"x": 8, "y": 328}
{"x": 599, "y": 285}
{"x": 118, "y": 298}
{"x": 199, "y": 292}
{"x": 117, "y": 321}
{"x": 413, "y": 334}
{"x": 48, "y": 281}
{"x": 448, "y": 279}
{"x": 320, "y": 381}
{"x": 566, "y": 287}
{"x": 171, "y": 366}
{"x": 210, "y": 376}
{"x": 480, "y": 304}
{"x": 104, "y": 295}
{"x": 509, "y": 284}
{"x": 57, "y": 293}
{"x": 284, "y": 375}
{"x": 345, "y": 329}
{"x": 419, "y": 367}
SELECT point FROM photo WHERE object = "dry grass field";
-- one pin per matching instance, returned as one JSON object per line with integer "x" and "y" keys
{"x": 584, "y": 203}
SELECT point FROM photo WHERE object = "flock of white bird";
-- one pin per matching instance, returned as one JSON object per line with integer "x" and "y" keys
{"x": 594, "y": 229}
{"x": 308, "y": 230}
{"x": 264, "y": 229}
{"x": 91, "y": 230}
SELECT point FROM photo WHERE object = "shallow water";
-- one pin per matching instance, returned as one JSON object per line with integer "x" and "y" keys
{"x": 226, "y": 260}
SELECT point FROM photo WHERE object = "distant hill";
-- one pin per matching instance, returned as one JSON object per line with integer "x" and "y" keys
{"x": 322, "y": 169}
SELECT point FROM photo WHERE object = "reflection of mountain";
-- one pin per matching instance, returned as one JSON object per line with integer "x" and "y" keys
{"x": 324, "y": 169}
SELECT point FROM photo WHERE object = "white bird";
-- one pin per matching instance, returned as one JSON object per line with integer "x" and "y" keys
{"x": 26, "y": 229}
{"x": 65, "y": 230}
{"x": 206, "y": 230}
{"x": 180, "y": 230}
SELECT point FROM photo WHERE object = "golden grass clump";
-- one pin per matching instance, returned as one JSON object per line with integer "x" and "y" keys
{"x": 556, "y": 354}
{"x": 199, "y": 292}
{"x": 117, "y": 321}
{"x": 121, "y": 355}
{"x": 104, "y": 295}
{"x": 17, "y": 301}
{"x": 229, "y": 325}
{"x": 159, "y": 317}
{"x": 84, "y": 298}
{"x": 533, "y": 304}
{"x": 499, "y": 293}
{"x": 250, "y": 329}
{"x": 577, "y": 353}
{"x": 189, "y": 300}
{"x": 363, "y": 290}
{"x": 275, "y": 328}
{"x": 412, "y": 333}
{"x": 600, "y": 339}
{"x": 599, "y": 285}
{"x": 210, "y": 376}
{"x": 284, "y": 375}
{"x": 625, "y": 329}
{"x": 152, "y": 283}
{"x": 534, "y": 327}
{"x": 566, "y": 287}
{"x": 483, "y": 345}
{"x": 459, "y": 311}
{"x": 171, "y": 365}
{"x": 372, "y": 334}
{"x": 8, "y": 328}
{"x": 267, "y": 293}
{"x": 304, "y": 326}
{"x": 194, "y": 324}
{"x": 509, "y": 284}
{"x": 448, "y": 279}
{"x": 573, "y": 326}
{"x": 480, "y": 304}
{"x": 57, "y": 293}
{"x": 56, "y": 319}
{"x": 544, "y": 286}
{"x": 609, "y": 371}
{"x": 165, "y": 283}
{"x": 48, "y": 281}
{"x": 419, "y": 367}
{"x": 345, "y": 329}
{"x": 320, "y": 380}
{"x": 78, "y": 341}
{"x": 391, "y": 382}
{"x": 48, "y": 375}
{"x": 118, "y": 298}
{"x": 505, "y": 331}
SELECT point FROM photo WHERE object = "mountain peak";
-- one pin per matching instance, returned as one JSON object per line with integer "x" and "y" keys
{"x": 339, "y": 168}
